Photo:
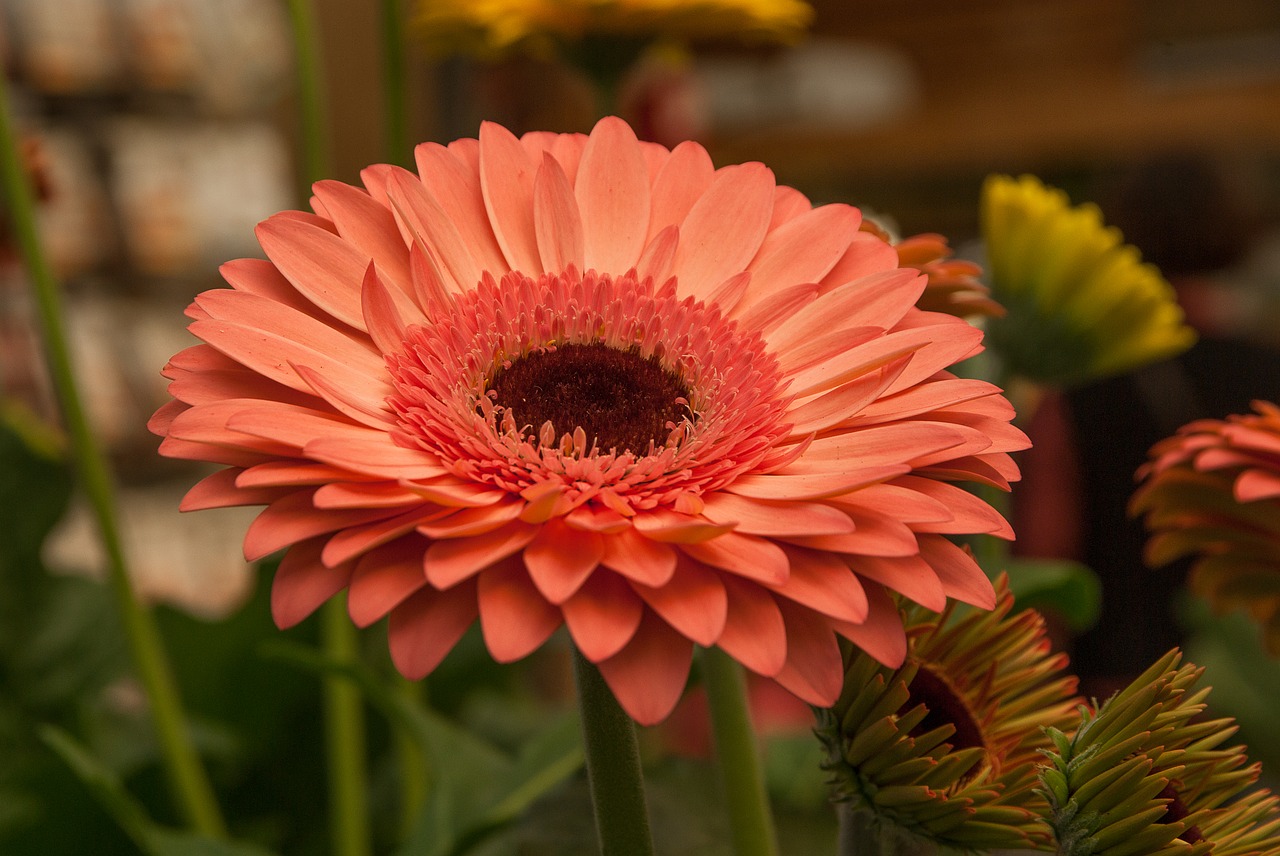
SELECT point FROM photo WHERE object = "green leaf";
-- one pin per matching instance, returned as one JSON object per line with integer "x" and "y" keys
{"x": 1065, "y": 588}
{"x": 150, "y": 837}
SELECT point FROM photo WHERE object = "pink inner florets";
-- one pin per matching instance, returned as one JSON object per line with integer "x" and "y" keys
{"x": 443, "y": 378}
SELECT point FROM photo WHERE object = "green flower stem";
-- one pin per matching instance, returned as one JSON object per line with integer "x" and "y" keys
{"x": 344, "y": 722}
{"x": 736, "y": 752}
{"x": 186, "y": 772}
{"x": 861, "y": 835}
{"x": 415, "y": 776}
{"x": 613, "y": 766}
{"x": 396, "y": 126}
{"x": 344, "y": 737}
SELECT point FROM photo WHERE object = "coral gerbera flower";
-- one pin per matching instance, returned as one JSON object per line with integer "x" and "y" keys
{"x": 590, "y": 381}
{"x": 1145, "y": 774}
{"x": 1213, "y": 491}
{"x": 1081, "y": 303}
{"x": 945, "y": 749}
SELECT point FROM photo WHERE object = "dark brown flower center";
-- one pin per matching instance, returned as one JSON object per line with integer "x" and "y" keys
{"x": 621, "y": 400}
{"x": 1176, "y": 810}
{"x": 946, "y": 707}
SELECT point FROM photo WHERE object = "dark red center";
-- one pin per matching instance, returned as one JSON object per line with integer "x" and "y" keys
{"x": 946, "y": 707}
{"x": 621, "y": 400}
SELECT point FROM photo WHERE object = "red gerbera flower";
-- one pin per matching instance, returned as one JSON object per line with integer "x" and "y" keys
{"x": 584, "y": 380}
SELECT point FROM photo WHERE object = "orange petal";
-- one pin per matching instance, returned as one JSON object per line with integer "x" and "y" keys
{"x": 603, "y": 615}
{"x": 425, "y": 628}
{"x": 514, "y": 616}
{"x": 560, "y": 559}
{"x": 612, "y": 188}
{"x": 745, "y": 555}
{"x": 384, "y": 578}
{"x": 648, "y": 676}
{"x": 754, "y": 633}
{"x": 814, "y": 671}
{"x": 302, "y": 583}
{"x": 448, "y": 563}
{"x": 693, "y": 601}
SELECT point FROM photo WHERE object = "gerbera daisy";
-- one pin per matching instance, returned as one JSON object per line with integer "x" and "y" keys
{"x": 953, "y": 286}
{"x": 590, "y": 381}
{"x": 1144, "y": 774}
{"x": 1213, "y": 491}
{"x": 945, "y": 748}
{"x": 1081, "y": 304}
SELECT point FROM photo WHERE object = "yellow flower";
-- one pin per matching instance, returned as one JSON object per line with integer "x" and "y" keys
{"x": 946, "y": 747}
{"x": 1145, "y": 774}
{"x": 1081, "y": 303}
{"x": 494, "y": 27}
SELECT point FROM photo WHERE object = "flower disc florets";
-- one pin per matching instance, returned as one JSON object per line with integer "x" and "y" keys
{"x": 721, "y": 414}
{"x": 593, "y": 383}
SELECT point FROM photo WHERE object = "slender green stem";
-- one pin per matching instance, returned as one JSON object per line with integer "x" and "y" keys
{"x": 344, "y": 737}
{"x": 186, "y": 772}
{"x": 414, "y": 773}
{"x": 344, "y": 721}
{"x": 861, "y": 835}
{"x": 311, "y": 96}
{"x": 750, "y": 819}
{"x": 396, "y": 126}
{"x": 613, "y": 767}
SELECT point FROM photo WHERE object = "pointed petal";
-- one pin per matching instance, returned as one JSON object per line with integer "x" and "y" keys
{"x": 369, "y": 226}
{"x": 603, "y": 615}
{"x": 760, "y": 517}
{"x": 745, "y": 555}
{"x": 911, "y": 576}
{"x": 824, "y": 583}
{"x": 556, "y": 218}
{"x": 693, "y": 601}
{"x": 612, "y": 189}
{"x": 506, "y": 179}
{"x": 881, "y": 635}
{"x": 514, "y": 616}
{"x": 680, "y": 182}
{"x": 383, "y": 580}
{"x": 961, "y": 576}
{"x": 754, "y": 633}
{"x": 639, "y": 558}
{"x": 456, "y": 186}
{"x": 302, "y": 583}
{"x": 425, "y": 628}
{"x": 449, "y": 562}
{"x": 319, "y": 264}
{"x": 724, "y": 228}
{"x": 648, "y": 676}
{"x": 560, "y": 559}
{"x": 802, "y": 250}
{"x": 815, "y": 669}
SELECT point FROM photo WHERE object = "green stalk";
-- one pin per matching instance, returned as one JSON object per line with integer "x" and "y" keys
{"x": 613, "y": 766}
{"x": 344, "y": 722}
{"x": 344, "y": 737}
{"x": 182, "y": 763}
{"x": 396, "y": 126}
{"x": 861, "y": 835}
{"x": 414, "y": 774}
{"x": 736, "y": 752}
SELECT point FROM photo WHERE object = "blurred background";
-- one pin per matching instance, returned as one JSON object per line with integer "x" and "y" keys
{"x": 161, "y": 131}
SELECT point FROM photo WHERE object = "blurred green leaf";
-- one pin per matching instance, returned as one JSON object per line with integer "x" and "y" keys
{"x": 151, "y": 838}
{"x": 1065, "y": 588}
{"x": 475, "y": 789}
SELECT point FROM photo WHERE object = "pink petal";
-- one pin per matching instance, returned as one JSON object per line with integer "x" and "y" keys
{"x": 383, "y": 580}
{"x": 425, "y": 628}
{"x": 450, "y": 562}
{"x": 1253, "y": 485}
{"x": 468, "y": 522}
{"x": 788, "y": 204}
{"x": 771, "y": 310}
{"x": 354, "y": 541}
{"x": 693, "y": 601}
{"x": 556, "y": 218}
{"x": 657, "y": 258}
{"x": 879, "y": 300}
{"x": 560, "y": 559}
{"x": 869, "y": 448}
{"x": 302, "y": 583}
{"x": 648, "y": 676}
{"x": 754, "y": 633}
{"x": 881, "y": 635}
{"x": 821, "y": 485}
{"x": 724, "y": 228}
{"x": 612, "y": 189}
{"x": 506, "y": 178}
{"x": 660, "y": 524}
{"x": 219, "y": 490}
{"x": 261, "y": 278}
{"x": 760, "y": 517}
{"x": 293, "y": 518}
{"x": 680, "y": 182}
{"x": 802, "y": 250}
{"x": 745, "y": 555}
{"x": 294, "y": 426}
{"x": 961, "y": 576}
{"x": 866, "y": 255}
{"x": 291, "y": 474}
{"x": 514, "y": 616}
{"x": 603, "y": 615}
{"x": 433, "y": 227}
{"x": 840, "y": 404}
{"x": 969, "y": 514}
{"x": 379, "y": 457}
{"x": 911, "y": 576}
{"x": 382, "y": 317}
{"x": 638, "y": 558}
{"x": 356, "y": 404}
{"x": 320, "y": 265}
{"x": 814, "y": 671}
{"x": 876, "y": 533}
{"x": 368, "y": 226}
{"x": 823, "y": 582}
{"x": 456, "y": 185}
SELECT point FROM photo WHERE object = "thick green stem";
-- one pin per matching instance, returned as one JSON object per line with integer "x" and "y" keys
{"x": 343, "y": 706}
{"x": 613, "y": 767}
{"x": 396, "y": 126}
{"x": 344, "y": 737}
{"x": 736, "y": 753}
{"x": 861, "y": 835}
{"x": 415, "y": 776}
{"x": 190, "y": 782}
